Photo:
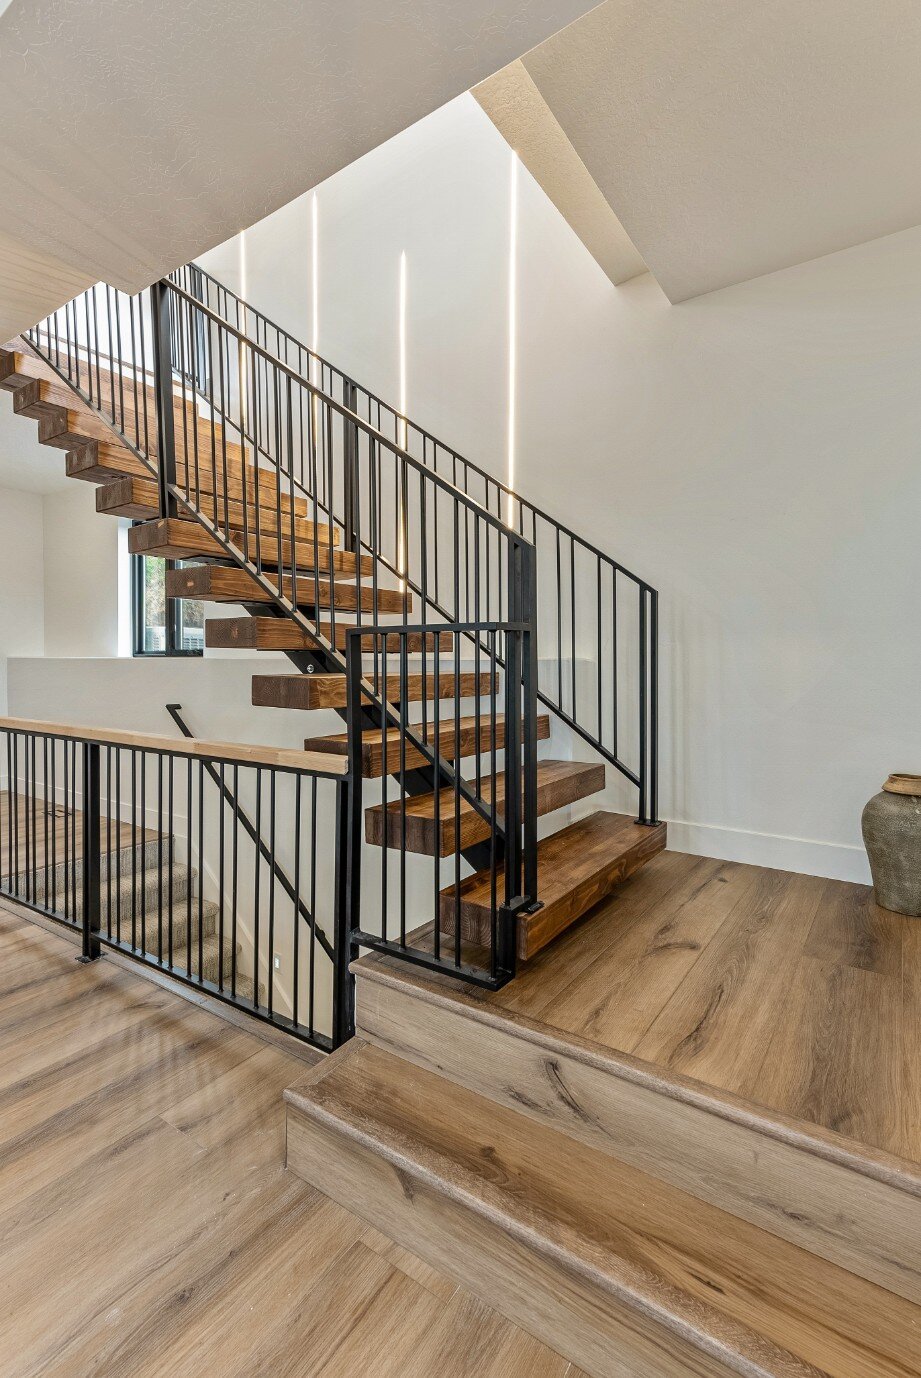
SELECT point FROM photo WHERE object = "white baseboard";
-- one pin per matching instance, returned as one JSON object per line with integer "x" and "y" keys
{"x": 836, "y": 860}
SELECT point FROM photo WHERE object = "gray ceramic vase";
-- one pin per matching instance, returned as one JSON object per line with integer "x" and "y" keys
{"x": 892, "y": 836}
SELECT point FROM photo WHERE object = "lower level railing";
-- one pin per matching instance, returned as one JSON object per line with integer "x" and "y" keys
{"x": 224, "y": 867}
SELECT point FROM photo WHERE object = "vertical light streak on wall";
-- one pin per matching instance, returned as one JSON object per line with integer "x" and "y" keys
{"x": 315, "y": 274}
{"x": 314, "y": 372}
{"x": 243, "y": 364}
{"x": 402, "y": 434}
{"x": 512, "y": 332}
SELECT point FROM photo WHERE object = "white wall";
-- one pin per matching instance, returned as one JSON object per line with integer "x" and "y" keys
{"x": 753, "y": 453}
{"x": 131, "y": 693}
{"x": 21, "y": 580}
{"x": 81, "y": 575}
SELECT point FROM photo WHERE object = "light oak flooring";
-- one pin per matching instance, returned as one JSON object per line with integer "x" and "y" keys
{"x": 792, "y": 991}
{"x": 148, "y": 1225}
{"x": 35, "y": 834}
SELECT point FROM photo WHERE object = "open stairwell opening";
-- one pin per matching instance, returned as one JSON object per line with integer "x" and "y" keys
{"x": 633, "y": 1193}
{"x": 381, "y": 563}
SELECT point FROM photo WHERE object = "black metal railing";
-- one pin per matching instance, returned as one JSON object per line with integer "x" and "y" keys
{"x": 597, "y": 621}
{"x": 433, "y": 717}
{"x": 310, "y": 485}
{"x": 139, "y": 844}
{"x": 333, "y": 503}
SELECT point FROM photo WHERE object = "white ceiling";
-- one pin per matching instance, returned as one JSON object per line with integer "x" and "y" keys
{"x": 517, "y": 109}
{"x": 735, "y": 137}
{"x": 138, "y": 135}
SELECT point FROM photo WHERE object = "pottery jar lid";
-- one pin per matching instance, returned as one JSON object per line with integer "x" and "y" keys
{"x": 903, "y": 784}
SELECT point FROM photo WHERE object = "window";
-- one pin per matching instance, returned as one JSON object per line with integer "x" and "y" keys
{"x": 163, "y": 627}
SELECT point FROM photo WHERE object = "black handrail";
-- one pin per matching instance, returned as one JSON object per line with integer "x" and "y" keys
{"x": 607, "y": 570}
{"x": 450, "y": 489}
{"x": 111, "y": 834}
{"x": 427, "y": 436}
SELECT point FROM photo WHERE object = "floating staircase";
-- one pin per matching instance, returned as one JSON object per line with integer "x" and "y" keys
{"x": 265, "y": 530}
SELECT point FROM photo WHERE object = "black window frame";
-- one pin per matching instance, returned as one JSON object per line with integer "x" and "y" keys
{"x": 174, "y": 647}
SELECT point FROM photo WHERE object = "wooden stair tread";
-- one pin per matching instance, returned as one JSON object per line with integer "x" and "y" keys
{"x": 102, "y": 461}
{"x": 592, "y": 1250}
{"x": 558, "y": 783}
{"x": 180, "y": 538}
{"x": 576, "y": 868}
{"x": 220, "y": 584}
{"x": 282, "y": 634}
{"x": 202, "y": 439}
{"x": 475, "y": 738}
{"x": 138, "y": 498}
{"x": 329, "y": 691}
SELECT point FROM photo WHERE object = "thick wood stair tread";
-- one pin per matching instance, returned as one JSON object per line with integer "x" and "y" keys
{"x": 475, "y": 738}
{"x": 623, "y": 1273}
{"x": 127, "y": 496}
{"x": 98, "y": 461}
{"x": 576, "y": 868}
{"x": 558, "y": 783}
{"x": 256, "y": 634}
{"x": 179, "y": 538}
{"x": 219, "y": 584}
{"x": 281, "y": 634}
{"x": 329, "y": 691}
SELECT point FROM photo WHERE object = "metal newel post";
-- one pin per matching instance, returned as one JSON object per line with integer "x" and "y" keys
{"x": 348, "y": 852}
{"x": 163, "y": 388}
{"x": 92, "y": 851}
{"x": 350, "y": 471}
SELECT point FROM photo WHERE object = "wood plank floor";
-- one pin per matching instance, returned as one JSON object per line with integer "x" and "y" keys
{"x": 35, "y": 834}
{"x": 148, "y": 1224}
{"x": 795, "y": 992}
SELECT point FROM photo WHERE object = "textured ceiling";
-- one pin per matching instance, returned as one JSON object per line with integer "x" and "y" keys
{"x": 735, "y": 137}
{"x": 137, "y": 135}
{"x": 519, "y": 112}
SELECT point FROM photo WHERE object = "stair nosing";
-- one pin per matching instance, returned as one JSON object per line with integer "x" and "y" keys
{"x": 885, "y": 1168}
{"x": 481, "y": 1197}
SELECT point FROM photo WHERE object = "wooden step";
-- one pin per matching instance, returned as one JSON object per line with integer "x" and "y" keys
{"x": 624, "y": 1275}
{"x": 328, "y": 691}
{"x": 178, "y": 538}
{"x": 38, "y": 394}
{"x": 60, "y": 426}
{"x": 103, "y": 462}
{"x": 280, "y": 634}
{"x": 219, "y": 584}
{"x": 96, "y": 462}
{"x": 470, "y": 735}
{"x": 256, "y": 634}
{"x": 576, "y": 868}
{"x": 845, "y": 1202}
{"x": 138, "y": 498}
{"x": 558, "y": 783}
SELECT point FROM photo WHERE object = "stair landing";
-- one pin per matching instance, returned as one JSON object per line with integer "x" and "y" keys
{"x": 684, "y": 1141}
{"x": 751, "y": 1035}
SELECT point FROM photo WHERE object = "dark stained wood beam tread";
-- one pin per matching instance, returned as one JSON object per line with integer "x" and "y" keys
{"x": 177, "y": 538}
{"x": 558, "y": 783}
{"x": 217, "y": 584}
{"x": 473, "y": 736}
{"x": 576, "y": 868}
{"x": 307, "y": 692}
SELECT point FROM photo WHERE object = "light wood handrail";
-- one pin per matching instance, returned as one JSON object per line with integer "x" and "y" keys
{"x": 281, "y": 758}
